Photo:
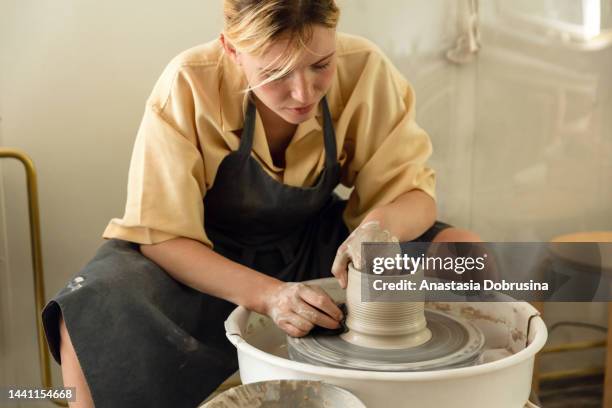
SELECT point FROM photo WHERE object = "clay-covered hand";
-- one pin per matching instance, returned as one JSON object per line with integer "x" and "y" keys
{"x": 296, "y": 308}
{"x": 350, "y": 250}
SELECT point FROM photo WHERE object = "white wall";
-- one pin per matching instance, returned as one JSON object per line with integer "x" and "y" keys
{"x": 74, "y": 79}
{"x": 5, "y": 292}
{"x": 518, "y": 134}
{"x": 543, "y": 142}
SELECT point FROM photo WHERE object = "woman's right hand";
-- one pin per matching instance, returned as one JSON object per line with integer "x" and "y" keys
{"x": 350, "y": 250}
{"x": 297, "y": 307}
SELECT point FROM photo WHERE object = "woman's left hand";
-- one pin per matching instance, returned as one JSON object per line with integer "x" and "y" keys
{"x": 350, "y": 250}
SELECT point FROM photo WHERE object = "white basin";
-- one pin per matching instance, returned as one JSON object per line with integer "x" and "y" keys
{"x": 504, "y": 383}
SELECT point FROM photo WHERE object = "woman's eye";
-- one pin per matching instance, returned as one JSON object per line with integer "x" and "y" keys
{"x": 267, "y": 75}
{"x": 321, "y": 67}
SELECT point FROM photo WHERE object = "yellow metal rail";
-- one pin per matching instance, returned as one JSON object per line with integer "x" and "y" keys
{"x": 36, "y": 252}
{"x": 581, "y": 345}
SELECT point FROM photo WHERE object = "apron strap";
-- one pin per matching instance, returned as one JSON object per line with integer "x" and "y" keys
{"x": 246, "y": 139}
{"x": 329, "y": 136}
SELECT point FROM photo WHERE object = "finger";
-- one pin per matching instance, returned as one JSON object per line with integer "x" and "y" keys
{"x": 336, "y": 309}
{"x": 297, "y": 321}
{"x": 340, "y": 265}
{"x": 291, "y": 330}
{"x": 316, "y": 317}
{"x": 322, "y": 301}
{"x": 354, "y": 250}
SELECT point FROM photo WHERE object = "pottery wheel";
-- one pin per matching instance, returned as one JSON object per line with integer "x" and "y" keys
{"x": 454, "y": 343}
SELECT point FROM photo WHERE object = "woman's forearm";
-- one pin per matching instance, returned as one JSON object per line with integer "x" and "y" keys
{"x": 408, "y": 216}
{"x": 196, "y": 265}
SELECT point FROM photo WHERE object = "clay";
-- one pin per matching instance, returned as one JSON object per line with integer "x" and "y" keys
{"x": 391, "y": 336}
{"x": 454, "y": 343}
{"x": 472, "y": 313}
{"x": 382, "y": 325}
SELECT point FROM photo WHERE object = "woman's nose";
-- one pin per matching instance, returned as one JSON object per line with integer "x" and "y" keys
{"x": 302, "y": 89}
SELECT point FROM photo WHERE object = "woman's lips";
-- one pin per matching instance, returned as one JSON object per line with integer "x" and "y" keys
{"x": 302, "y": 110}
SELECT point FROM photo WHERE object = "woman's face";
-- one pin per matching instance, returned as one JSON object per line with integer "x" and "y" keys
{"x": 295, "y": 96}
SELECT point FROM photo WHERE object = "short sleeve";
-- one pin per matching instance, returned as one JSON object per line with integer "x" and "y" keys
{"x": 166, "y": 185}
{"x": 388, "y": 150}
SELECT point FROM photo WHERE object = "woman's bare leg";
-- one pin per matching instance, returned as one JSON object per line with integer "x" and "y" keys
{"x": 72, "y": 372}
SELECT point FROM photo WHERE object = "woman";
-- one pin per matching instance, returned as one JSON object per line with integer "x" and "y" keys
{"x": 230, "y": 202}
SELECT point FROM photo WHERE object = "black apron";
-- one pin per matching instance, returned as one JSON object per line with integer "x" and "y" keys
{"x": 145, "y": 339}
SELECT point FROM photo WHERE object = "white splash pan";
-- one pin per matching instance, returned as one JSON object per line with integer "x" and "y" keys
{"x": 505, "y": 383}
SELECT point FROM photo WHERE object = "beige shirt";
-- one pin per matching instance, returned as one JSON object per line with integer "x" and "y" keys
{"x": 197, "y": 105}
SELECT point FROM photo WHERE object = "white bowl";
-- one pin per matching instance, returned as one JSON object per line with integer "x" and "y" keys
{"x": 504, "y": 383}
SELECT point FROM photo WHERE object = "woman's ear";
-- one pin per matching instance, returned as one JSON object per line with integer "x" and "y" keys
{"x": 229, "y": 49}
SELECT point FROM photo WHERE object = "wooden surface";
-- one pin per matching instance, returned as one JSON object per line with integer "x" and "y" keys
{"x": 592, "y": 236}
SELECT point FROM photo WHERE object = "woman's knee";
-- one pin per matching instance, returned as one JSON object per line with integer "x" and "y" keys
{"x": 456, "y": 235}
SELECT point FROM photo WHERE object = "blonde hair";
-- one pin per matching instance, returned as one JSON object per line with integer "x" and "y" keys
{"x": 252, "y": 25}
